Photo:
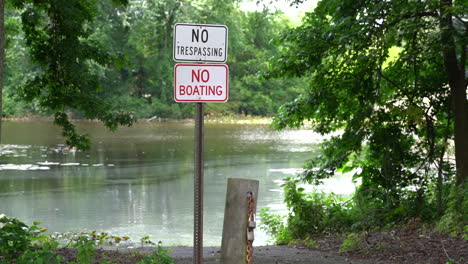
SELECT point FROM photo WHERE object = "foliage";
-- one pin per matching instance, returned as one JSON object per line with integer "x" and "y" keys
{"x": 352, "y": 241}
{"x": 14, "y": 237}
{"x": 315, "y": 212}
{"x": 93, "y": 237}
{"x": 452, "y": 222}
{"x": 159, "y": 256}
{"x": 135, "y": 73}
{"x": 23, "y": 245}
{"x": 85, "y": 249}
{"x": 379, "y": 81}
{"x": 310, "y": 243}
{"x": 274, "y": 225}
{"x": 43, "y": 254}
{"x": 146, "y": 241}
{"x": 57, "y": 34}
{"x": 310, "y": 213}
{"x": 26, "y": 244}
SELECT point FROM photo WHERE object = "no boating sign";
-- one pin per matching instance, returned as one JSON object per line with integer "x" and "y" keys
{"x": 201, "y": 83}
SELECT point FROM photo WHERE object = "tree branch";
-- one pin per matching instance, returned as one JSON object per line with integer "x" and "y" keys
{"x": 388, "y": 80}
{"x": 463, "y": 52}
{"x": 408, "y": 16}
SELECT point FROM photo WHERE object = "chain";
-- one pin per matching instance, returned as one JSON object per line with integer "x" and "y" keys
{"x": 250, "y": 227}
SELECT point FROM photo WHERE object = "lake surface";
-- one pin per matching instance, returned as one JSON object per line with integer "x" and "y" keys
{"x": 138, "y": 181}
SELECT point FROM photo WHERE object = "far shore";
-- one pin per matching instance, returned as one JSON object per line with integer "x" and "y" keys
{"x": 232, "y": 119}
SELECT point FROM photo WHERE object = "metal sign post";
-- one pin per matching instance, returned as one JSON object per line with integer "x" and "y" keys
{"x": 198, "y": 190}
{"x": 200, "y": 83}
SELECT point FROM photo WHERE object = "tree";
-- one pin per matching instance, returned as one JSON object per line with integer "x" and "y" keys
{"x": 390, "y": 76}
{"x": 138, "y": 40}
{"x": 2, "y": 55}
{"x": 454, "y": 48}
{"x": 57, "y": 33}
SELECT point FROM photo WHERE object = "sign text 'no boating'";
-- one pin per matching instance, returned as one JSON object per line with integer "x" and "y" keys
{"x": 201, "y": 83}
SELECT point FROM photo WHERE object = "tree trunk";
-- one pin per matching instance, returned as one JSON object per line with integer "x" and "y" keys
{"x": 457, "y": 83}
{"x": 2, "y": 58}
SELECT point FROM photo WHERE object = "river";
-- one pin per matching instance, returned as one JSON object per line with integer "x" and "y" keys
{"x": 138, "y": 181}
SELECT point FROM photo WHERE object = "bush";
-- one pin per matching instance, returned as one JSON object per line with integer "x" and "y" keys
{"x": 21, "y": 244}
{"x": 352, "y": 241}
{"x": 14, "y": 237}
{"x": 41, "y": 254}
{"x": 316, "y": 212}
{"x": 320, "y": 213}
{"x": 85, "y": 247}
{"x": 273, "y": 224}
{"x": 159, "y": 256}
{"x": 309, "y": 213}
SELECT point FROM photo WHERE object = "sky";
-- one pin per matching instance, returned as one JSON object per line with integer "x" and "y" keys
{"x": 294, "y": 13}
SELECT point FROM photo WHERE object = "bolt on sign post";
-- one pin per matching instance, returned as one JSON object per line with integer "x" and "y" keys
{"x": 200, "y": 83}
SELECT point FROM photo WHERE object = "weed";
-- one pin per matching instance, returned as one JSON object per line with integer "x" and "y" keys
{"x": 159, "y": 256}
{"x": 44, "y": 254}
{"x": 21, "y": 244}
{"x": 310, "y": 243}
{"x": 14, "y": 237}
{"x": 273, "y": 225}
{"x": 352, "y": 242}
{"x": 146, "y": 241}
{"x": 85, "y": 249}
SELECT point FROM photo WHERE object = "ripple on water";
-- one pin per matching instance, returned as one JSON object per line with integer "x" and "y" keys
{"x": 23, "y": 167}
{"x": 13, "y": 150}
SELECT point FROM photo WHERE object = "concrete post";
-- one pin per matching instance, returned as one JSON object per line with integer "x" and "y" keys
{"x": 234, "y": 241}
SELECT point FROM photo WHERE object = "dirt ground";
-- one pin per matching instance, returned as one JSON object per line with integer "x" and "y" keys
{"x": 269, "y": 255}
{"x": 395, "y": 246}
{"x": 211, "y": 255}
{"x": 407, "y": 245}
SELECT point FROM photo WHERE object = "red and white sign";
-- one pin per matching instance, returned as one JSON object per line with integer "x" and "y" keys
{"x": 201, "y": 83}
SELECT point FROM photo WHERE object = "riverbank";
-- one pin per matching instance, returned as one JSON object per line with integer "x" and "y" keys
{"x": 267, "y": 255}
{"x": 407, "y": 245}
{"x": 211, "y": 255}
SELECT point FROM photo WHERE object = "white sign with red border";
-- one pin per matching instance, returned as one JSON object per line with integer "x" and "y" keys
{"x": 201, "y": 83}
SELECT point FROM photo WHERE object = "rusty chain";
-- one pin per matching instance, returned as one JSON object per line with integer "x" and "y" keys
{"x": 250, "y": 227}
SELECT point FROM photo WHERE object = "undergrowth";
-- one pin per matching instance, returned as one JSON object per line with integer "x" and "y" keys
{"x": 22, "y": 244}
{"x": 317, "y": 213}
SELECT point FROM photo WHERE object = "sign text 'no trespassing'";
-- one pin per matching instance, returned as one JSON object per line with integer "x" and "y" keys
{"x": 200, "y": 42}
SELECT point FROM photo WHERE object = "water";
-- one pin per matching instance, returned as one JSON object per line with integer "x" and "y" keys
{"x": 138, "y": 181}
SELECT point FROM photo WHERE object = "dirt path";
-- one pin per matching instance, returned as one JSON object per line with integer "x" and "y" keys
{"x": 394, "y": 246}
{"x": 267, "y": 255}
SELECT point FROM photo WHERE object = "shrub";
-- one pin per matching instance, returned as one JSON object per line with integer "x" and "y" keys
{"x": 273, "y": 224}
{"x": 14, "y": 237}
{"x": 159, "y": 256}
{"x": 44, "y": 254}
{"x": 352, "y": 241}
{"x": 316, "y": 212}
{"x": 21, "y": 244}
